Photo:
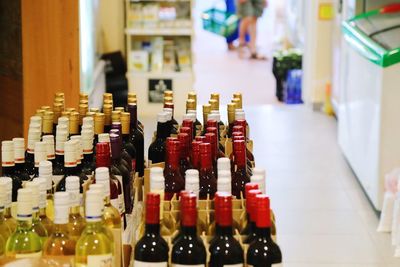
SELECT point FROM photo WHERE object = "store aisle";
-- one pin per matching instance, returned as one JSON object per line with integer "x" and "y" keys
{"x": 323, "y": 217}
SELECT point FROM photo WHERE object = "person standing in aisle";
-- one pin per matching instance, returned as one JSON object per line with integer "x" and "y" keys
{"x": 249, "y": 11}
{"x": 230, "y": 8}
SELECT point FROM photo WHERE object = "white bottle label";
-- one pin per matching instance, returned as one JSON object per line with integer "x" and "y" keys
{"x": 149, "y": 264}
{"x": 28, "y": 255}
{"x": 103, "y": 260}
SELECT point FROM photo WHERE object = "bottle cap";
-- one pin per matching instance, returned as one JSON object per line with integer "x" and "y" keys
{"x": 168, "y": 111}
{"x": 152, "y": 208}
{"x": 116, "y": 116}
{"x": 116, "y": 128}
{"x": 72, "y": 186}
{"x": 248, "y": 187}
{"x": 103, "y": 155}
{"x": 70, "y": 154}
{"x": 251, "y": 203}
{"x": 223, "y": 209}
{"x": 201, "y": 139}
{"x": 115, "y": 146}
{"x": 24, "y": 204}
{"x": 104, "y": 138}
{"x": 99, "y": 187}
{"x": 49, "y": 140}
{"x": 61, "y": 207}
{"x": 184, "y": 140}
{"x": 103, "y": 177}
{"x": 94, "y": 206}
{"x": 214, "y": 104}
{"x": 211, "y": 123}
{"x": 40, "y": 153}
{"x": 212, "y": 139}
{"x": 87, "y": 141}
{"x": 260, "y": 180}
{"x": 42, "y": 191}
{"x": 35, "y": 195}
{"x": 213, "y": 130}
{"x": 63, "y": 121}
{"x": 186, "y": 130}
{"x": 19, "y": 149}
{"x": 99, "y": 123}
{"x": 189, "y": 209}
{"x": 79, "y": 147}
{"x": 157, "y": 181}
{"x": 88, "y": 121}
{"x": 170, "y": 143}
{"x": 240, "y": 115}
{"x": 263, "y": 216}
{"x": 162, "y": 117}
{"x": 192, "y": 181}
{"x": 191, "y": 111}
{"x": 236, "y": 136}
{"x": 242, "y": 123}
{"x": 6, "y": 182}
{"x": 7, "y": 153}
{"x": 205, "y": 148}
{"x": 36, "y": 119}
{"x": 238, "y": 128}
{"x": 224, "y": 184}
{"x": 223, "y": 164}
{"x": 237, "y": 102}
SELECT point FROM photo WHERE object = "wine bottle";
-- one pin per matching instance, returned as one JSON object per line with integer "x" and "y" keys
{"x": 33, "y": 137}
{"x": 169, "y": 106}
{"x": 5, "y": 231}
{"x": 58, "y": 167}
{"x": 47, "y": 123}
{"x": 231, "y": 118}
{"x": 49, "y": 140}
{"x": 213, "y": 127}
{"x": 208, "y": 180}
{"x": 188, "y": 122}
{"x": 70, "y": 166}
{"x": 127, "y": 145}
{"x": 151, "y": 249}
{"x": 98, "y": 126}
{"x": 263, "y": 251}
{"x": 191, "y": 107}
{"x": 195, "y": 157}
{"x": 133, "y": 100}
{"x": 249, "y": 227}
{"x": 107, "y": 110}
{"x": 188, "y": 131}
{"x": 19, "y": 159}
{"x": 174, "y": 181}
{"x": 189, "y": 249}
{"x": 94, "y": 247}
{"x": 8, "y": 166}
{"x": 37, "y": 225}
{"x": 216, "y": 112}
{"x": 258, "y": 177}
{"x": 192, "y": 182}
{"x": 136, "y": 138}
{"x": 218, "y": 146}
{"x": 243, "y": 123}
{"x": 6, "y": 182}
{"x": 224, "y": 249}
{"x": 238, "y": 136}
{"x": 173, "y": 130}
{"x": 157, "y": 147}
{"x": 40, "y": 155}
{"x": 63, "y": 121}
{"x": 240, "y": 176}
{"x": 43, "y": 218}
{"x": 88, "y": 163}
{"x": 57, "y": 109}
{"x": 224, "y": 182}
{"x": 126, "y": 159}
{"x": 45, "y": 173}
{"x": 59, "y": 242}
{"x": 250, "y": 207}
{"x": 24, "y": 242}
{"x": 184, "y": 160}
{"x": 223, "y": 164}
{"x": 211, "y": 138}
{"x": 206, "y": 111}
{"x": 79, "y": 153}
{"x": 76, "y": 223}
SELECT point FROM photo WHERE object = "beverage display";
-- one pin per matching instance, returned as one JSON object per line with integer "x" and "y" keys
{"x": 208, "y": 180}
{"x": 157, "y": 147}
{"x": 19, "y": 159}
{"x": 174, "y": 180}
{"x": 37, "y": 225}
{"x": 8, "y": 166}
{"x": 43, "y": 218}
{"x": 76, "y": 223}
{"x": 11, "y": 222}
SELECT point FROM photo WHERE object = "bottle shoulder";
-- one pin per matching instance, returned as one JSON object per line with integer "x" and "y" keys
{"x": 151, "y": 246}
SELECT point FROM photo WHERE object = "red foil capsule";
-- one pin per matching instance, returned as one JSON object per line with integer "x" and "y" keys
{"x": 152, "y": 208}
{"x": 263, "y": 217}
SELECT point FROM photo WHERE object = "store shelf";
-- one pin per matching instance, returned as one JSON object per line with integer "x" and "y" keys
{"x": 159, "y": 31}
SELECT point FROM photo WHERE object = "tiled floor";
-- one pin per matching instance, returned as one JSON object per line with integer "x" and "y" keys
{"x": 323, "y": 217}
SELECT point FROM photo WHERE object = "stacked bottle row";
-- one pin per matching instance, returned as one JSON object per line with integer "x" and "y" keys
{"x": 90, "y": 238}
{"x": 219, "y": 153}
{"x": 190, "y": 247}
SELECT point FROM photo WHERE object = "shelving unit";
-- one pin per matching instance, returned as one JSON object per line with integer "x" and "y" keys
{"x": 159, "y": 36}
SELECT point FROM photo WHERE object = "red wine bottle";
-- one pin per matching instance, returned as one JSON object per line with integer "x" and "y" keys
{"x": 195, "y": 157}
{"x": 126, "y": 159}
{"x": 219, "y": 148}
{"x": 151, "y": 248}
{"x": 157, "y": 147}
{"x": 243, "y": 123}
{"x": 224, "y": 249}
{"x": 263, "y": 251}
{"x": 251, "y": 204}
{"x": 127, "y": 144}
{"x": 211, "y": 138}
{"x": 174, "y": 180}
{"x": 213, "y": 124}
{"x": 189, "y": 124}
{"x": 8, "y": 167}
{"x": 136, "y": 138}
{"x": 186, "y": 130}
{"x": 240, "y": 177}
{"x": 239, "y": 137}
{"x": 248, "y": 187}
{"x": 208, "y": 180}
{"x": 188, "y": 249}
{"x": 184, "y": 160}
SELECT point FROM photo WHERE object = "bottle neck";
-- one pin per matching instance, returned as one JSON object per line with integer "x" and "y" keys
{"x": 42, "y": 212}
{"x": 71, "y": 170}
{"x": 75, "y": 210}
{"x": 7, "y": 212}
{"x": 87, "y": 158}
{"x": 224, "y": 230}
{"x": 94, "y": 225}
{"x": 24, "y": 225}
{"x": 59, "y": 159}
{"x": 189, "y": 230}
{"x": 60, "y": 228}
{"x": 205, "y": 161}
{"x": 163, "y": 130}
{"x": 173, "y": 159}
{"x": 8, "y": 170}
{"x": 263, "y": 232}
{"x": 153, "y": 229}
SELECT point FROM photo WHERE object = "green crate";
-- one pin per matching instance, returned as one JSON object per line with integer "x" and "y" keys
{"x": 219, "y": 22}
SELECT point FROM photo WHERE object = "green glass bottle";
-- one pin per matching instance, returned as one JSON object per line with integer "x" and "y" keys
{"x": 59, "y": 243}
{"x": 4, "y": 229}
{"x": 94, "y": 247}
{"x": 10, "y": 221}
{"x": 37, "y": 225}
{"x": 24, "y": 242}
{"x": 76, "y": 223}
{"x": 45, "y": 221}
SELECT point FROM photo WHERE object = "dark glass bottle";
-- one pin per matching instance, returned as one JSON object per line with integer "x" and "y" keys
{"x": 188, "y": 248}
{"x": 243, "y": 123}
{"x": 191, "y": 107}
{"x": 224, "y": 248}
{"x": 169, "y": 107}
{"x": 211, "y": 138}
{"x": 240, "y": 176}
{"x": 49, "y": 140}
{"x": 219, "y": 148}
{"x": 33, "y": 137}
{"x": 127, "y": 144}
{"x": 126, "y": 159}
{"x": 151, "y": 248}
{"x": 121, "y": 172}
{"x": 70, "y": 166}
{"x": 236, "y": 136}
{"x": 19, "y": 159}
{"x": 40, "y": 155}
{"x": 98, "y": 127}
{"x": 251, "y": 204}
{"x": 174, "y": 180}
{"x": 136, "y": 138}
{"x": 247, "y": 188}
{"x": 184, "y": 161}
{"x": 214, "y": 128}
{"x": 195, "y": 157}
{"x": 263, "y": 251}
{"x": 207, "y": 177}
{"x": 8, "y": 167}
{"x": 157, "y": 147}
{"x": 88, "y": 162}
{"x": 58, "y": 167}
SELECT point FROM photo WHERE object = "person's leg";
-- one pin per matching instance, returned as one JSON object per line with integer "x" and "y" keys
{"x": 258, "y": 7}
{"x": 243, "y": 28}
{"x": 253, "y": 34}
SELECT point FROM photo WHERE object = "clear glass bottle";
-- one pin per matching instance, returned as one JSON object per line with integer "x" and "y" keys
{"x": 5, "y": 231}
{"x": 8, "y": 219}
{"x": 24, "y": 242}
{"x": 94, "y": 247}
{"x": 45, "y": 172}
{"x": 8, "y": 166}
{"x": 59, "y": 242}
{"x": 76, "y": 223}
{"x": 43, "y": 218}
{"x": 37, "y": 225}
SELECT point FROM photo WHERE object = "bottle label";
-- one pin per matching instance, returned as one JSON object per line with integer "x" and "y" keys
{"x": 121, "y": 196}
{"x": 103, "y": 260}
{"x": 57, "y": 179}
{"x": 149, "y": 264}
{"x": 28, "y": 255}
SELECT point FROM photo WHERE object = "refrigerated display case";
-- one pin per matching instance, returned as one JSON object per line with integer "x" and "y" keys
{"x": 369, "y": 127}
